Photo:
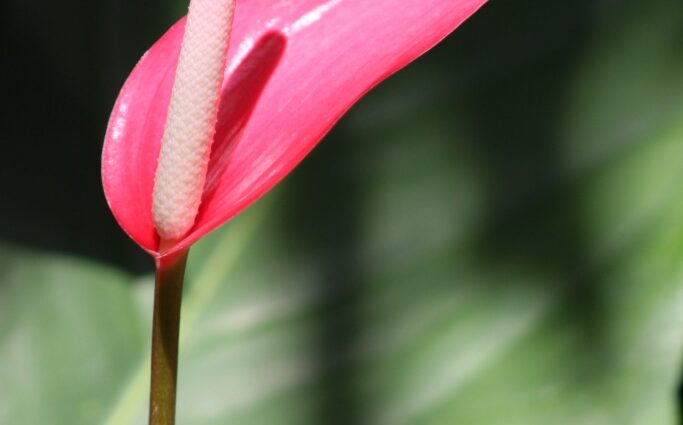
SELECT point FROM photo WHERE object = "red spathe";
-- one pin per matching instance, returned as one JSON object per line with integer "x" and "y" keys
{"x": 293, "y": 69}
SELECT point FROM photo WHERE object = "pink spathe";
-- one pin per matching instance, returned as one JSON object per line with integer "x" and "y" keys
{"x": 293, "y": 69}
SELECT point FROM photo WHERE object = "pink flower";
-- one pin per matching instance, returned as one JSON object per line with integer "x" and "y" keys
{"x": 293, "y": 69}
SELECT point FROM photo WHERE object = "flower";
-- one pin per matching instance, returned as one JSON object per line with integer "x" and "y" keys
{"x": 293, "y": 69}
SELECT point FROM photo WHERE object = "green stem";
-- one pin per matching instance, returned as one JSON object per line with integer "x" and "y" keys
{"x": 168, "y": 290}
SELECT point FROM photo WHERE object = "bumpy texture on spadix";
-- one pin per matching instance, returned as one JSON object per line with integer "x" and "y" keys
{"x": 191, "y": 120}
{"x": 293, "y": 69}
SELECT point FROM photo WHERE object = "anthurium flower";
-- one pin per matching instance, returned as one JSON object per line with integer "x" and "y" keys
{"x": 290, "y": 71}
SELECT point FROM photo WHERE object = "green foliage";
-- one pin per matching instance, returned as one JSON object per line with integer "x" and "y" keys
{"x": 495, "y": 236}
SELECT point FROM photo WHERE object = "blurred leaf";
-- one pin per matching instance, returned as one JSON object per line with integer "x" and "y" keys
{"x": 486, "y": 239}
{"x": 69, "y": 332}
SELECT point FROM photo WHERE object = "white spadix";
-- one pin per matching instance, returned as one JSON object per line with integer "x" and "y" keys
{"x": 189, "y": 130}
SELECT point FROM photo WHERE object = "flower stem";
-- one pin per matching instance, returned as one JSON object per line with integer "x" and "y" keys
{"x": 170, "y": 272}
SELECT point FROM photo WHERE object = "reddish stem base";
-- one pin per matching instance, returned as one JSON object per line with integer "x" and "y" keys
{"x": 170, "y": 272}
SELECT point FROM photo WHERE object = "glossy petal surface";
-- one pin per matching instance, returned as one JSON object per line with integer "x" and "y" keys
{"x": 293, "y": 69}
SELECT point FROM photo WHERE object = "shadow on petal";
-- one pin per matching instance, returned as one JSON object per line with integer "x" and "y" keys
{"x": 240, "y": 95}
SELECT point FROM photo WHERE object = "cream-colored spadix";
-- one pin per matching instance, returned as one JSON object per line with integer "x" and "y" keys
{"x": 189, "y": 130}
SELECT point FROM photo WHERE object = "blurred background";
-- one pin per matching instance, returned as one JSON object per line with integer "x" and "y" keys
{"x": 492, "y": 236}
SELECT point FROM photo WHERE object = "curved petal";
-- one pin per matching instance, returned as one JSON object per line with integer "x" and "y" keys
{"x": 293, "y": 69}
